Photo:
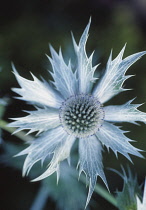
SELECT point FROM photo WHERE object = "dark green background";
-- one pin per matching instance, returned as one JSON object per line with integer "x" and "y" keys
{"x": 26, "y": 28}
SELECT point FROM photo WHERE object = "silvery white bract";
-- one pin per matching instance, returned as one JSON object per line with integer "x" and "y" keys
{"x": 73, "y": 110}
{"x": 142, "y": 205}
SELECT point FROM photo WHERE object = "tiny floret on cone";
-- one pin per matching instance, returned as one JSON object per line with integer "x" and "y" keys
{"x": 72, "y": 109}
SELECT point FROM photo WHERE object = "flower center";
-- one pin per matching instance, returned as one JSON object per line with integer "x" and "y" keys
{"x": 81, "y": 115}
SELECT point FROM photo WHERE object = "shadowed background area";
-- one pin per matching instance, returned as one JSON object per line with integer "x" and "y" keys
{"x": 26, "y": 29}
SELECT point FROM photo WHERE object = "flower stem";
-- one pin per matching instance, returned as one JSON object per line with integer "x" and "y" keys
{"x": 40, "y": 199}
{"x": 105, "y": 194}
{"x": 21, "y": 135}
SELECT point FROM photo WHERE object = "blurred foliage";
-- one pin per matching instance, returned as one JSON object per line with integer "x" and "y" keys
{"x": 3, "y": 103}
{"x": 126, "y": 199}
{"x": 26, "y": 28}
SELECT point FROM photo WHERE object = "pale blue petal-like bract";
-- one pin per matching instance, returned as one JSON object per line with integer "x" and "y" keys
{"x": 42, "y": 147}
{"x": 124, "y": 113}
{"x": 90, "y": 162}
{"x": 113, "y": 137}
{"x": 85, "y": 70}
{"x": 61, "y": 152}
{"x": 114, "y": 77}
{"x": 39, "y": 120}
{"x": 37, "y": 92}
{"x": 65, "y": 80}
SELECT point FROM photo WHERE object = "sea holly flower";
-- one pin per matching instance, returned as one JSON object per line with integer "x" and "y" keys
{"x": 72, "y": 109}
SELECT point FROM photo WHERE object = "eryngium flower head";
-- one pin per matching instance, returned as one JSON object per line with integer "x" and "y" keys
{"x": 72, "y": 110}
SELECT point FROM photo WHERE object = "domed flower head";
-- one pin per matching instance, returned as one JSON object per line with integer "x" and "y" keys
{"x": 72, "y": 109}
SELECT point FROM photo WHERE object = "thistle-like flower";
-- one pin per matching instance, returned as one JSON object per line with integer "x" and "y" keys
{"x": 73, "y": 109}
